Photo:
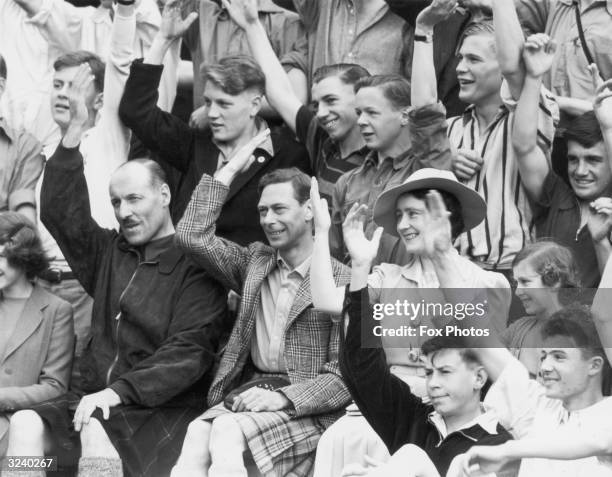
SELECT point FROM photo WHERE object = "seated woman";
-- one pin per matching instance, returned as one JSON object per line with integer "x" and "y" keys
{"x": 37, "y": 332}
{"x": 402, "y": 211}
{"x": 547, "y": 279}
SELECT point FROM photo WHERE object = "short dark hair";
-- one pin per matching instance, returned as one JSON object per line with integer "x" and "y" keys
{"x": 3, "y": 71}
{"x": 77, "y": 58}
{"x": 299, "y": 181}
{"x": 585, "y": 130}
{"x": 22, "y": 246}
{"x": 394, "y": 87}
{"x": 575, "y": 323}
{"x": 552, "y": 261}
{"x": 439, "y": 343}
{"x": 235, "y": 74}
{"x": 452, "y": 205}
{"x": 348, "y": 73}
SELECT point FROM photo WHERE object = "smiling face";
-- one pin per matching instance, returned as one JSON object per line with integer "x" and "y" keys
{"x": 230, "y": 116}
{"x": 411, "y": 216}
{"x": 60, "y": 107}
{"x": 478, "y": 71}
{"x": 141, "y": 207}
{"x": 453, "y": 385}
{"x": 9, "y": 275}
{"x": 537, "y": 298}
{"x": 565, "y": 371}
{"x": 334, "y": 103}
{"x": 588, "y": 170}
{"x": 380, "y": 122}
{"x": 286, "y": 222}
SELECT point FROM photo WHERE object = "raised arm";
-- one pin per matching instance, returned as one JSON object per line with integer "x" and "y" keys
{"x": 602, "y": 105}
{"x": 325, "y": 296}
{"x": 532, "y": 163}
{"x": 509, "y": 41}
{"x": 424, "y": 85}
{"x": 602, "y": 304}
{"x": 279, "y": 91}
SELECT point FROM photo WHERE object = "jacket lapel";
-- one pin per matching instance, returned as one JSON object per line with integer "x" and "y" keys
{"x": 29, "y": 321}
{"x": 301, "y": 301}
{"x": 261, "y": 160}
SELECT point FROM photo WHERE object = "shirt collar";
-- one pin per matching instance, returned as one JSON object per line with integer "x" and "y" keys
{"x": 155, "y": 248}
{"x": 398, "y": 161}
{"x": 607, "y": 2}
{"x": 302, "y": 269}
{"x": 470, "y": 113}
{"x": 487, "y": 420}
{"x": 8, "y": 132}
{"x": 266, "y": 146}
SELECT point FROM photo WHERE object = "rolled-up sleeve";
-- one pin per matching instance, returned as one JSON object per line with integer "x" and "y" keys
{"x": 427, "y": 130}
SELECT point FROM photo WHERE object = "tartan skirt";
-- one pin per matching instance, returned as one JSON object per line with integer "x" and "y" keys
{"x": 280, "y": 445}
{"x": 148, "y": 440}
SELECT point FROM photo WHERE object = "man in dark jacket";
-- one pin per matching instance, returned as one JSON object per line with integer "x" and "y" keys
{"x": 233, "y": 92}
{"x": 156, "y": 322}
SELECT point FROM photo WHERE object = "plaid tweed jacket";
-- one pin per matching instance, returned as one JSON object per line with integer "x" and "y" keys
{"x": 311, "y": 338}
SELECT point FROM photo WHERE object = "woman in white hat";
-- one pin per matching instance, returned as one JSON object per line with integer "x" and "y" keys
{"x": 427, "y": 212}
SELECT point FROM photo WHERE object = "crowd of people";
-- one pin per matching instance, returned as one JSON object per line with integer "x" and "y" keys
{"x": 190, "y": 288}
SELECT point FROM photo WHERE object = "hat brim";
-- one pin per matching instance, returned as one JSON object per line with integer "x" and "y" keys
{"x": 473, "y": 206}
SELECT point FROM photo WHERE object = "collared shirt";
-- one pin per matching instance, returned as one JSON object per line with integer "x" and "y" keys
{"x": 557, "y": 214}
{"x": 277, "y": 293}
{"x": 487, "y": 420}
{"x": 523, "y": 408}
{"x": 325, "y": 157}
{"x": 380, "y": 42}
{"x": 506, "y": 228}
{"x": 557, "y": 18}
{"x": 387, "y": 284}
{"x": 429, "y": 148}
{"x": 105, "y": 146}
{"x": 21, "y": 164}
{"x": 214, "y": 36}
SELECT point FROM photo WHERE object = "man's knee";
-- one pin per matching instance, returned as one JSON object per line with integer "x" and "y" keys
{"x": 95, "y": 441}
{"x": 27, "y": 425}
{"x": 226, "y": 434}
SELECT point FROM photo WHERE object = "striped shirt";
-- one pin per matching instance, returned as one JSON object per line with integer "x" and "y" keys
{"x": 506, "y": 228}
{"x": 325, "y": 159}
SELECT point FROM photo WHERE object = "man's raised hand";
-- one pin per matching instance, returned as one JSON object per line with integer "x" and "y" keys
{"x": 243, "y": 12}
{"x": 172, "y": 23}
{"x": 602, "y": 104}
{"x": 538, "y": 54}
{"x": 320, "y": 209}
{"x": 436, "y": 12}
{"x": 242, "y": 159}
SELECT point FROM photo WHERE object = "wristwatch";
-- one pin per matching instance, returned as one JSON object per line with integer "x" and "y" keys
{"x": 427, "y": 38}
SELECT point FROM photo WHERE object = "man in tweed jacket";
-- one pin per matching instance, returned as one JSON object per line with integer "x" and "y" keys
{"x": 277, "y": 332}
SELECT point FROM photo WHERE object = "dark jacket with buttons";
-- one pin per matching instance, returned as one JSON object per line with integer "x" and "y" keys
{"x": 193, "y": 153}
{"x": 156, "y": 322}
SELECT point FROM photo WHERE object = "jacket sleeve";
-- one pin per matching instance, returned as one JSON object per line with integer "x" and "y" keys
{"x": 65, "y": 212}
{"x": 384, "y": 400}
{"x": 189, "y": 349}
{"x": 55, "y": 373}
{"x": 195, "y": 234}
{"x": 325, "y": 393}
{"x": 159, "y": 131}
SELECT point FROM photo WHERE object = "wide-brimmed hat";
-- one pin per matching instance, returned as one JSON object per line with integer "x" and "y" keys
{"x": 473, "y": 206}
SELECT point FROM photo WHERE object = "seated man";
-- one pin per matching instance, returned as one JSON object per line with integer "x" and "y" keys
{"x": 22, "y": 164}
{"x": 562, "y": 416}
{"x": 156, "y": 319}
{"x": 234, "y": 92}
{"x": 277, "y": 333}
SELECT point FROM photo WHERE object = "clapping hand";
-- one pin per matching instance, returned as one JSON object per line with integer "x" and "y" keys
{"x": 320, "y": 209}
{"x": 242, "y": 159}
{"x": 600, "y": 219}
{"x": 362, "y": 251}
{"x": 77, "y": 95}
{"x": 438, "y": 236}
